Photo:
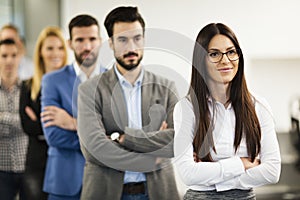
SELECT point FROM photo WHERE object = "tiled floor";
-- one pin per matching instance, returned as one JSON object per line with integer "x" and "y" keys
{"x": 288, "y": 186}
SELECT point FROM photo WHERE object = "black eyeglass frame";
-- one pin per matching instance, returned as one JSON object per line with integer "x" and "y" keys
{"x": 238, "y": 52}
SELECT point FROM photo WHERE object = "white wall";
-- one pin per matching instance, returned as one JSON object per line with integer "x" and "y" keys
{"x": 266, "y": 30}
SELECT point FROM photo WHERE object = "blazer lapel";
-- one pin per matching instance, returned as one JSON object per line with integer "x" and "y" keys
{"x": 119, "y": 108}
{"x": 146, "y": 100}
{"x": 74, "y": 82}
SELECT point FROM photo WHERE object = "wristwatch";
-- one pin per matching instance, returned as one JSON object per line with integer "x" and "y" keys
{"x": 115, "y": 136}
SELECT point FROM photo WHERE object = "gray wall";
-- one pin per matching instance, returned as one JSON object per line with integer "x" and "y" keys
{"x": 37, "y": 15}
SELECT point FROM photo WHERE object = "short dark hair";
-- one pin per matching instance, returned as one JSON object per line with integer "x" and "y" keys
{"x": 82, "y": 21}
{"x": 122, "y": 14}
{"x": 7, "y": 42}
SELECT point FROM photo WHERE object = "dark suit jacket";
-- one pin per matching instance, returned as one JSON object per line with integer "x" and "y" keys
{"x": 102, "y": 111}
{"x": 64, "y": 170}
{"x": 37, "y": 147}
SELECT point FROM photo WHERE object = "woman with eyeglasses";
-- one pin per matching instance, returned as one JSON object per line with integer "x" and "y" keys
{"x": 225, "y": 142}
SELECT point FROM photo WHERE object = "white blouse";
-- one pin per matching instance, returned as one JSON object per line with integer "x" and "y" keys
{"x": 227, "y": 171}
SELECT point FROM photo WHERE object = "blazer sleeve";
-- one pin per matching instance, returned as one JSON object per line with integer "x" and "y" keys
{"x": 93, "y": 137}
{"x": 157, "y": 142}
{"x": 56, "y": 136}
{"x": 30, "y": 127}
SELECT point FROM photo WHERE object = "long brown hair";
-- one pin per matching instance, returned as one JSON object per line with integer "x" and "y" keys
{"x": 247, "y": 124}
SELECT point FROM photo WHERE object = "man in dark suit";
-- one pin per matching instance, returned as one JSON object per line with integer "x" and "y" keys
{"x": 125, "y": 121}
{"x": 64, "y": 171}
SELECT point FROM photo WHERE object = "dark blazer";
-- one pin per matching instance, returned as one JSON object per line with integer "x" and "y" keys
{"x": 64, "y": 170}
{"x": 102, "y": 111}
{"x": 37, "y": 147}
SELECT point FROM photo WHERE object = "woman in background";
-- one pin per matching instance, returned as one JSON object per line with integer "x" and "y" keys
{"x": 225, "y": 142}
{"x": 50, "y": 54}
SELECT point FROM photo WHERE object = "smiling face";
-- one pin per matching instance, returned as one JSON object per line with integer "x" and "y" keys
{"x": 127, "y": 43}
{"x": 52, "y": 53}
{"x": 225, "y": 70}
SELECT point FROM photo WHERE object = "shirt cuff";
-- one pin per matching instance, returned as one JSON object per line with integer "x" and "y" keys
{"x": 232, "y": 167}
{"x": 227, "y": 185}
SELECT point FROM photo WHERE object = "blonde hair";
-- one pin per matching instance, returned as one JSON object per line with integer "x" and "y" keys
{"x": 39, "y": 65}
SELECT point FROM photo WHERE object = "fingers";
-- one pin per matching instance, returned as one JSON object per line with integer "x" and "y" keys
{"x": 30, "y": 113}
{"x": 163, "y": 126}
{"x": 248, "y": 164}
{"x": 49, "y": 111}
{"x": 47, "y": 115}
{"x": 47, "y": 118}
{"x": 257, "y": 161}
{"x": 196, "y": 158}
{"x": 50, "y": 108}
{"x": 49, "y": 123}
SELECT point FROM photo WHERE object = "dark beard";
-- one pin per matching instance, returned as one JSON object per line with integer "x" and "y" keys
{"x": 129, "y": 67}
{"x": 86, "y": 62}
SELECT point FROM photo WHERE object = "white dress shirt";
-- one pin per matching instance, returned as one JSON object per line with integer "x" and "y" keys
{"x": 82, "y": 75}
{"x": 227, "y": 171}
{"x": 133, "y": 99}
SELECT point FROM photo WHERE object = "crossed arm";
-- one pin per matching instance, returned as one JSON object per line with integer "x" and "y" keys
{"x": 55, "y": 116}
{"x": 229, "y": 173}
{"x": 58, "y": 125}
{"x": 158, "y": 142}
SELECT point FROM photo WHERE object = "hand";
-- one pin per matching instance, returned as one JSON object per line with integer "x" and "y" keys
{"x": 196, "y": 159}
{"x": 30, "y": 113}
{"x": 163, "y": 126}
{"x": 121, "y": 139}
{"x": 248, "y": 164}
{"x": 55, "y": 116}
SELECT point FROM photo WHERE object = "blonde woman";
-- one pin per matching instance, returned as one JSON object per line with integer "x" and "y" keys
{"x": 50, "y": 54}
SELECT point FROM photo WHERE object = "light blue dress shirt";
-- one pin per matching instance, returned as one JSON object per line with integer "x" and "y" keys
{"x": 133, "y": 98}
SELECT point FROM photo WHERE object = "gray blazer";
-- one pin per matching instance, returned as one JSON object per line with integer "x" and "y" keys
{"x": 102, "y": 111}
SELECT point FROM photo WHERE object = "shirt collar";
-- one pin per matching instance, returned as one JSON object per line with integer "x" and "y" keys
{"x": 123, "y": 81}
{"x": 18, "y": 84}
{"x": 76, "y": 68}
{"x": 82, "y": 75}
{"x": 210, "y": 100}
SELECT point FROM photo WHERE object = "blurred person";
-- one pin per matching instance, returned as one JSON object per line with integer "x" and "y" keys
{"x": 225, "y": 140}
{"x": 13, "y": 141}
{"x": 10, "y": 31}
{"x": 125, "y": 121}
{"x": 50, "y": 54}
{"x": 64, "y": 170}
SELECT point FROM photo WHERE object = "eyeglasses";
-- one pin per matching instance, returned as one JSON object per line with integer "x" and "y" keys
{"x": 217, "y": 56}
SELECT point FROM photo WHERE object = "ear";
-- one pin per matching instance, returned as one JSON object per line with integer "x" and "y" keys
{"x": 110, "y": 41}
{"x": 69, "y": 42}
